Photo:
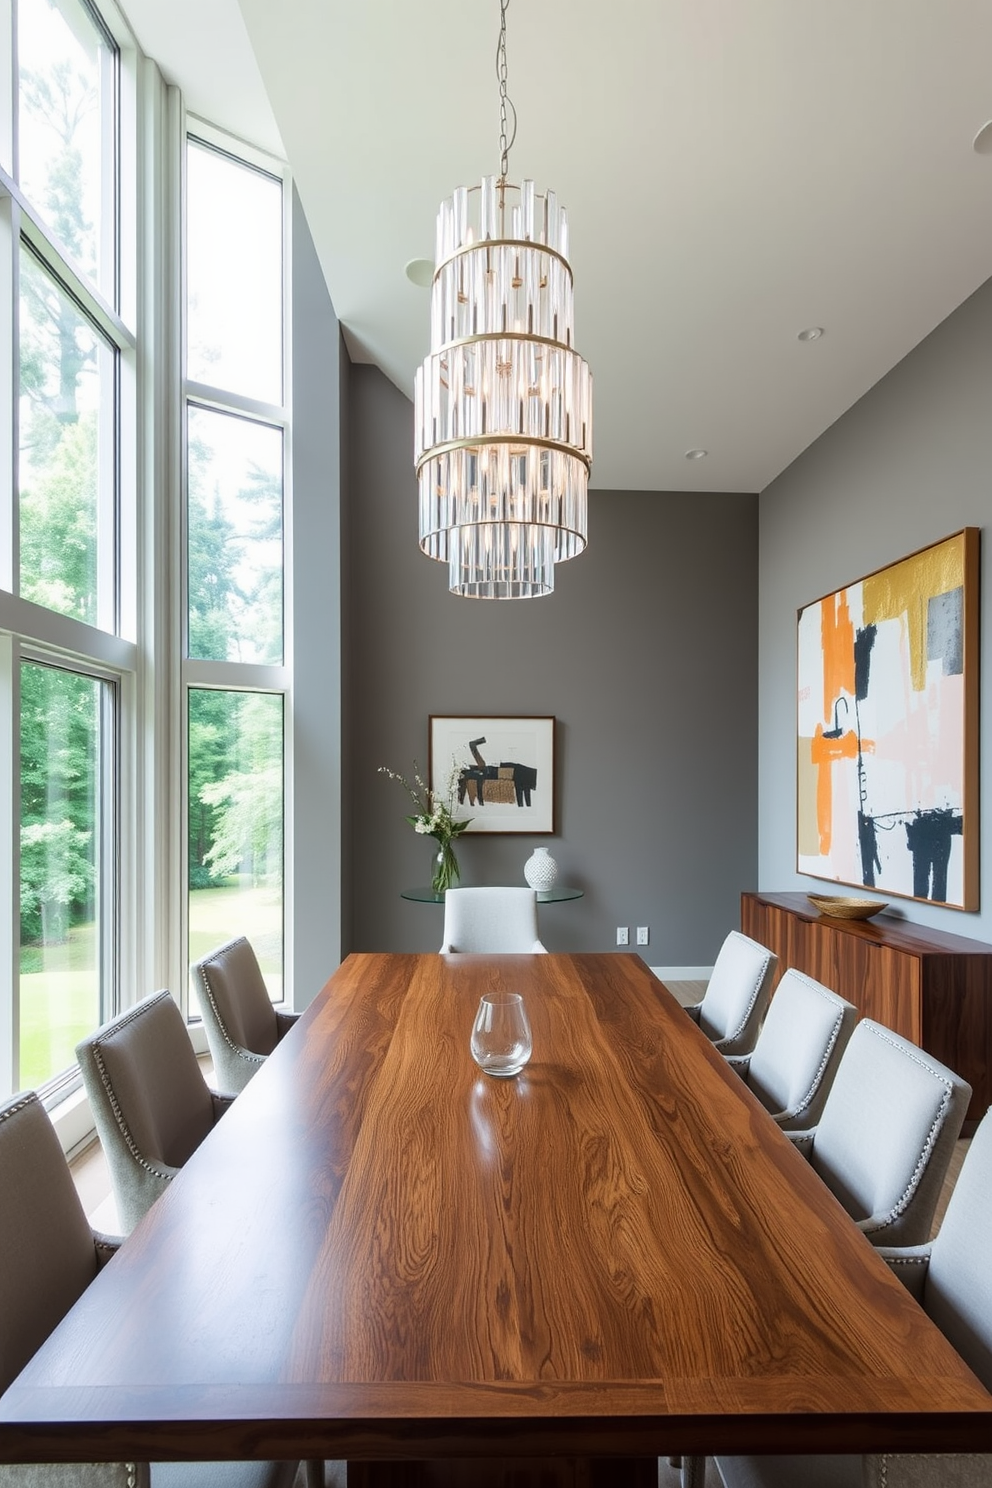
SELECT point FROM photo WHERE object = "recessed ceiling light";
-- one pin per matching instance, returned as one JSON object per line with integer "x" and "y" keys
{"x": 982, "y": 143}
{"x": 420, "y": 271}
{"x": 811, "y": 333}
{"x": 696, "y": 454}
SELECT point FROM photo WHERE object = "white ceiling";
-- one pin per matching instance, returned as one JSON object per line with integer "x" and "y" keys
{"x": 734, "y": 170}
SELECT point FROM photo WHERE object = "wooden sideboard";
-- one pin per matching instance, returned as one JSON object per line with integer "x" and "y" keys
{"x": 933, "y": 988}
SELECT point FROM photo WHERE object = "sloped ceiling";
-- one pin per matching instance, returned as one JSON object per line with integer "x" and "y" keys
{"x": 734, "y": 170}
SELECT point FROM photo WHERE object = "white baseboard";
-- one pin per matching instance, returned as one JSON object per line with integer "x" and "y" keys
{"x": 683, "y": 973}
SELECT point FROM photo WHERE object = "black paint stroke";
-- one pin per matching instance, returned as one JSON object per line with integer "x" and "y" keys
{"x": 864, "y": 641}
{"x": 868, "y": 840}
{"x": 929, "y": 837}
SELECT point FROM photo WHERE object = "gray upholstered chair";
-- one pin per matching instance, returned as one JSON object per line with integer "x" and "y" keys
{"x": 242, "y": 1026}
{"x": 792, "y": 1066}
{"x": 150, "y": 1102}
{"x": 952, "y": 1279}
{"x": 886, "y": 1135}
{"x": 490, "y": 921}
{"x": 736, "y": 995}
{"x": 50, "y": 1256}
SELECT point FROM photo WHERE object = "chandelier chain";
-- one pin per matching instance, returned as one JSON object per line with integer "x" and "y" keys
{"x": 507, "y": 112}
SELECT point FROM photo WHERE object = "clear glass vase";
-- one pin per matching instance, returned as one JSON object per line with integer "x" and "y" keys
{"x": 444, "y": 868}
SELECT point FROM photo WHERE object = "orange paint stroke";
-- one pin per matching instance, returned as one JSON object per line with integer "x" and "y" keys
{"x": 823, "y": 752}
{"x": 837, "y": 642}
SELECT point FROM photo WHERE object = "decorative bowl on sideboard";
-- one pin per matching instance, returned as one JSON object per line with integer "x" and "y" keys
{"x": 844, "y": 908}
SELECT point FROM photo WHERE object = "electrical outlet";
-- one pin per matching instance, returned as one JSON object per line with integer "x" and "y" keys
{"x": 623, "y": 935}
{"x": 642, "y": 935}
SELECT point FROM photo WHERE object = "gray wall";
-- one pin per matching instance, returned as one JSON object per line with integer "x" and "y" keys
{"x": 646, "y": 654}
{"x": 909, "y": 464}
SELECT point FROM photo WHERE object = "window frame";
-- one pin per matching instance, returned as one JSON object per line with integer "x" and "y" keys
{"x": 107, "y": 652}
{"x": 236, "y": 676}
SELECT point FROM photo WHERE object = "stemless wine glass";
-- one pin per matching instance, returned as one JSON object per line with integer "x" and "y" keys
{"x": 501, "y": 1038}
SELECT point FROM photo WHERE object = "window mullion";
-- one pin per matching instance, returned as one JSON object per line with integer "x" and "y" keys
{"x": 9, "y": 298}
{"x": 9, "y": 856}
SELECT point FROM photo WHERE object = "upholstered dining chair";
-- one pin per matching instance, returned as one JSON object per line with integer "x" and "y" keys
{"x": 792, "y": 1066}
{"x": 490, "y": 921}
{"x": 951, "y": 1277}
{"x": 150, "y": 1102}
{"x": 50, "y": 1257}
{"x": 736, "y": 995}
{"x": 886, "y": 1135}
{"x": 241, "y": 1025}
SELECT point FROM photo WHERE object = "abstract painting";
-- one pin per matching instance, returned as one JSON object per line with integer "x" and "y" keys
{"x": 500, "y": 771}
{"x": 888, "y": 728}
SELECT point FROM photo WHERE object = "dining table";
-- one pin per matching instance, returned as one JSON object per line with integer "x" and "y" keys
{"x": 384, "y": 1256}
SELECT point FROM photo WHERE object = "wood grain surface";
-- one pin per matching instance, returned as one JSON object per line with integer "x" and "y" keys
{"x": 382, "y": 1253}
{"x": 928, "y": 985}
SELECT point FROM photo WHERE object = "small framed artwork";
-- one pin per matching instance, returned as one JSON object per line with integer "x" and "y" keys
{"x": 888, "y": 728}
{"x": 497, "y": 772}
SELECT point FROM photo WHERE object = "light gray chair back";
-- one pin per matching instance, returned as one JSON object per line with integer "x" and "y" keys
{"x": 887, "y": 1133}
{"x": 957, "y": 1292}
{"x": 150, "y": 1103}
{"x": 952, "y": 1277}
{"x": 805, "y": 1032}
{"x": 241, "y": 1025}
{"x": 736, "y": 995}
{"x": 490, "y": 921}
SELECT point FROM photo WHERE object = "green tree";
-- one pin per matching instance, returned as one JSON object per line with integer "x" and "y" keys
{"x": 248, "y": 832}
{"x": 59, "y": 767}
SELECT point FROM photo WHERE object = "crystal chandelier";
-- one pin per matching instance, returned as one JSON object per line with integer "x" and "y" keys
{"x": 503, "y": 402}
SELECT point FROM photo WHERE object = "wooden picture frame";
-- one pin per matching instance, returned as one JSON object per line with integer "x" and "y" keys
{"x": 498, "y": 771}
{"x": 887, "y": 711}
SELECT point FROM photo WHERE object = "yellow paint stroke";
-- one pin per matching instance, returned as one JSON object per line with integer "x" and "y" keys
{"x": 823, "y": 753}
{"x": 904, "y": 590}
{"x": 837, "y": 643}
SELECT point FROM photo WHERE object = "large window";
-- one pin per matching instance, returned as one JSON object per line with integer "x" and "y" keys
{"x": 66, "y": 858}
{"x": 67, "y": 108}
{"x": 236, "y": 824}
{"x": 235, "y": 556}
{"x": 144, "y": 446}
{"x": 67, "y": 496}
{"x": 64, "y": 663}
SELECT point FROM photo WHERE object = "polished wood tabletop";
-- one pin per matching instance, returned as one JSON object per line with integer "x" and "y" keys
{"x": 382, "y": 1253}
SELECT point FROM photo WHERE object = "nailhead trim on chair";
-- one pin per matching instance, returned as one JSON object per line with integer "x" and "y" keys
{"x": 246, "y": 1054}
{"x": 920, "y": 1260}
{"x": 30, "y": 1099}
{"x": 901, "y": 1203}
{"x": 818, "y": 1076}
{"x": 108, "y": 1087}
{"x": 728, "y": 1037}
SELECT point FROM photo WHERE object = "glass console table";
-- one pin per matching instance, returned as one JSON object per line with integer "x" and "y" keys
{"x": 545, "y": 896}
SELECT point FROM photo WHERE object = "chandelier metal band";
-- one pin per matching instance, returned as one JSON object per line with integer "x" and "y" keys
{"x": 502, "y": 242}
{"x": 475, "y": 443}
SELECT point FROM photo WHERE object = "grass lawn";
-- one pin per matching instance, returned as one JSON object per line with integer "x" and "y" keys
{"x": 59, "y": 988}
{"x": 216, "y": 915}
{"x": 60, "y": 1003}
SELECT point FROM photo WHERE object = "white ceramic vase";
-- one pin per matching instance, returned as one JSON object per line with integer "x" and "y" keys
{"x": 540, "y": 869}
